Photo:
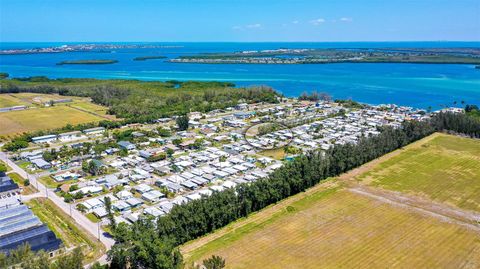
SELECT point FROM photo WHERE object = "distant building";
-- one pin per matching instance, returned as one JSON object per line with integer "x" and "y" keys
{"x": 75, "y": 135}
{"x": 94, "y": 131}
{"x": 44, "y": 139}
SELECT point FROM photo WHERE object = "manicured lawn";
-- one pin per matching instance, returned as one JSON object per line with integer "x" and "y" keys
{"x": 334, "y": 228}
{"x": 445, "y": 169}
{"x": 65, "y": 228}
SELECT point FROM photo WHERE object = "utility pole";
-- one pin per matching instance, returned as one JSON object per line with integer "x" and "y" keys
{"x": 98, "y": 228}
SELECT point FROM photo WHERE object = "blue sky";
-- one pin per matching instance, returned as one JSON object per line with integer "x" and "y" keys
{"x": 239, "y": 20}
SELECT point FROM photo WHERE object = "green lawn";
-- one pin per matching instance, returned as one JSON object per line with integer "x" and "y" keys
{"x": 445, "y": 169}
{"x": 20, "y": 181}
{"x": 92, "y": 217}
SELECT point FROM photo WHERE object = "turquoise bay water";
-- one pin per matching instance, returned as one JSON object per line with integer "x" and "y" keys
{"x": 418, "y": 85}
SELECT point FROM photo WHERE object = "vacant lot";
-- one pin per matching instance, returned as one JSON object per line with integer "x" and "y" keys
{"x": 42, "y": 119}
{"x": 445, "y": 169}
{"x": 335, "y": 228}
{"x": 7, "y": 100}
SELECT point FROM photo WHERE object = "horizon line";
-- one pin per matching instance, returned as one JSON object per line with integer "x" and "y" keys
{"x": 359, "y": 41}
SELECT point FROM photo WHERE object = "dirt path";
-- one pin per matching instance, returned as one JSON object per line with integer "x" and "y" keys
{"x": 443, "y": 212}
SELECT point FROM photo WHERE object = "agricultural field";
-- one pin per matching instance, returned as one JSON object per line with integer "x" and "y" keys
{"x": 336, "y": 228}
{"x": 375, "y": 216}
{"x": 445, "y": 169}
{"x": 35, "y": 119}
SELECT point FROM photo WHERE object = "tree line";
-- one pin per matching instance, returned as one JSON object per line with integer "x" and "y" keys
{"x": 138, "y": 101}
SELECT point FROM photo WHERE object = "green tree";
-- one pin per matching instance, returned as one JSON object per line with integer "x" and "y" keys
{"x": 110, "y": 215}
{"x": 182, "y": 122}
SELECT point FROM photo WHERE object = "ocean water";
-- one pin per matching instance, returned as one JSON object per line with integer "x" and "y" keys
{"x": 417, "y": 85}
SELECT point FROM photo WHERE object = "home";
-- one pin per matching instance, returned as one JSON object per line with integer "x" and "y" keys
{"x": 121, "y": 206}
{"x": 70, "y": 136}
{"x": 241, "y": 106}
{"x": 243, "y": 115}
{"x": 126, "y": 145}
{"x": 66, "y": 176}
{"x": 152, "y": 196}
{"x": 153, "y": 211}
{"x": 94, "y": 131}
{"x": 124, "y": 195}
{"x": 165, "y": 206}
{"x": 100, "y": 212}
{"x": 41, "y": 163}
{"x": 134, "y": 202}
{"x": 31, "y": 155}
{"x": 145, "y": 154}
{"x": 189, "y": 185}
{"x": 92, "y": 204}
{"x": 44, "y": 139}
{"x": 142, "y": 188}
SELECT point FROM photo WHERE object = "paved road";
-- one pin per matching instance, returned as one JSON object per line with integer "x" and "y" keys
{"x": 93, "y": 228}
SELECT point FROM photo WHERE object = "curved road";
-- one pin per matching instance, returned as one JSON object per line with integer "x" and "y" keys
{"x": 93, "y": 228}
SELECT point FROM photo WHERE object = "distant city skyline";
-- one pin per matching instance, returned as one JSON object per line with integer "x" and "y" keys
{"x": 239, "y": 20}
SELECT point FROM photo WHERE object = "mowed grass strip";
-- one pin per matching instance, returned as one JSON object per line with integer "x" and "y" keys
{"x": 445, "y": 169}
{"x": 65, "y": 228}
{"x": 335, "y": 228}
{"x": 42, "y": 119}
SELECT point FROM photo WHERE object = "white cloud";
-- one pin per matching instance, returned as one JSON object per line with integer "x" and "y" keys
{"x": 256, "y": 25}
{"x": 345, "y": 19}
{"x": 317, "y": 21}
{"x": 295, "y": 22}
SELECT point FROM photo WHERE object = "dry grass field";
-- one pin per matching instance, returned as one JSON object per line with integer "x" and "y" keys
{"x": 7, "y": 100}
{"x": 339, "y": 229}
{"x": 42, "y": 119}
{"x": 445, "y": 169}
{"x": 39, "y": 117}
{"x": 343, "y": 224}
